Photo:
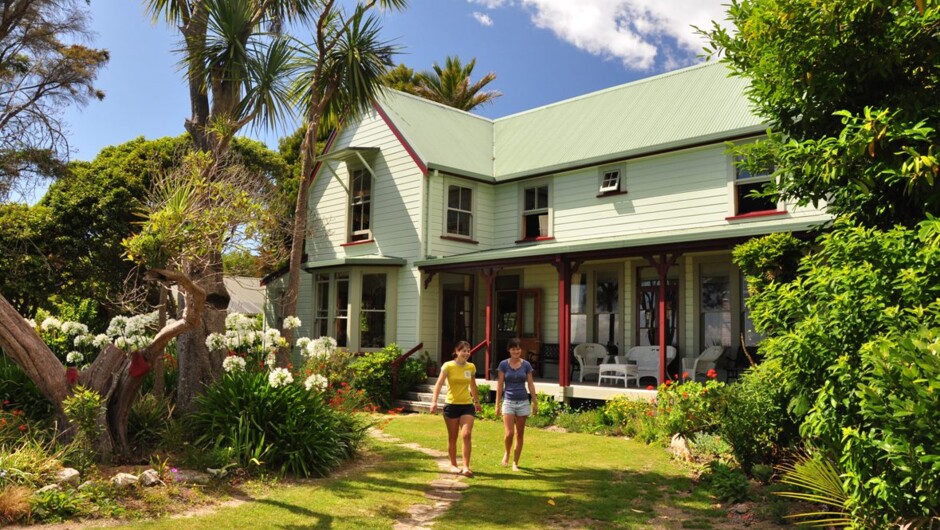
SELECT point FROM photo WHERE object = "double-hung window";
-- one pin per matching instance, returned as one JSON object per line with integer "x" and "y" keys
{"x": 331, "y": 314}
{"x": 360, "y": 206}
{"x": 535, "y": 212}
{"x": 459, "y": 211}
{"x": 746, "y": 183}
{"x": 372, "y": 311}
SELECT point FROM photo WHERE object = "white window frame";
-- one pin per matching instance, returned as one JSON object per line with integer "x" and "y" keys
{"x": 355, "y": 236}
{"x": 448, "y": 209}
{"x": 350, "y": 316}
{"x": 538, "y": 210}
{"x": 604, "y": 186}
{"x": 738, "y": 181}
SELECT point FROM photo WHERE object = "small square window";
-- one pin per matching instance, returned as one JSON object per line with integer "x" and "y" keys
{"x": 610, "y": 180}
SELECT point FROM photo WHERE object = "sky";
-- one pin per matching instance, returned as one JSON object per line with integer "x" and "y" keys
{"x": 542, "y": 51}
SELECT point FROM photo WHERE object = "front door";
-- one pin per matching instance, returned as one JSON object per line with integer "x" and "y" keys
{"x": 456, "y": 321}
{"x": 518, "y": 315}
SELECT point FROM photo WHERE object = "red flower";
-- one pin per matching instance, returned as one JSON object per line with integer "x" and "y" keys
{"x": 3, "y": 422}
{"x": 711, "y": 373}
{"x": 22, "y": 427}
{"x": 685, "y": 375}
{"x": 650, "y": 387}
{"x": 6, "y": 401}
{"x": 685, "y": 395}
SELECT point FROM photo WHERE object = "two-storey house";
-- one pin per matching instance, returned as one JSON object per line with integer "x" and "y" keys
{"x": 607, "y": 218}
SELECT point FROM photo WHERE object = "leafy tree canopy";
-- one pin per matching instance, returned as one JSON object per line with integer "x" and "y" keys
{"x": 850, "y": 90}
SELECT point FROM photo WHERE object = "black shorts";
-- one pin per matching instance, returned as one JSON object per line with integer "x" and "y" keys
{"x": 456, "y": 411}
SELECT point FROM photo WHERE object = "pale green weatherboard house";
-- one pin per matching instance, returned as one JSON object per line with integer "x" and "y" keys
{"x": 562, "y": 225}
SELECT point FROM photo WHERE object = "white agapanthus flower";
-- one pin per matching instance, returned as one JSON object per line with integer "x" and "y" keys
{"x": 100, "y": 341}
{"x": 121, "y": 343}
{"x": 83, "y": 340}
{"x": 270, "y": 361}
{"x": 316, "y": 381}
{"x": 215, "y": 341}
{"x": 74, "y": 328}
{"x": 271, "y": 337}
{"x": 74, "y": 357}
{"x": 238, "y": 321}
{"x": 321, "y": 347}
{"x": 291, "y": 322}
{"x": 280, "y": 377}
{"x": 116, "y": 326}
{"x": 31, "y": 322}
{"x": 233, "y": 363}
{"x": 51, "y": 324}
{"x": 302, "y": 343}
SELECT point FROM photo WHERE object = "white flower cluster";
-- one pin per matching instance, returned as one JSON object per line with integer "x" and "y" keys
{"x": 320, "y": 348}
{"x": 240, "y": 322}
{"x": 233, "y": 363}
{"x": 131, "y": 333}
{"x": 74, "y": 357}
{"x": 73, "y": 328}
{"x": 316, "y": 381}
{"x": 50, "y": 324}
{"x": 31, "y": 322}
{"x": 279, "y": 377}
{"x": 291, "y": 322}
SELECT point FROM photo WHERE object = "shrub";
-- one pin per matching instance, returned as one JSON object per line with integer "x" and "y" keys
{"x": 147, "y": 423}
{"x": 707, "y": 448}
{"x": 84, "y": 409}
{"x": 690, "y": 407}
{"x": 18, "y": 392}
{"x": 630, "y": 417}
{"x": 756, "y": 422}
{"x": 586, "y": 421}
{"x": 285, "y": 428}
{"x": 548, "y": 410}
{"x": 373, "y": 374}
{"x": 14, "y": 503}
{"x": 55, "y": 506}
{"x": 727, "y": 483}
{"x": 27, "y": 463}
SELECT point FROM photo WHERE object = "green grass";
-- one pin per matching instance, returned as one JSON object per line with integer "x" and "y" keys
{"x": 567, "y": 481}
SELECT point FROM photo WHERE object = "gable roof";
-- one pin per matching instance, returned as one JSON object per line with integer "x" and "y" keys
{"x": 691, "y": 106}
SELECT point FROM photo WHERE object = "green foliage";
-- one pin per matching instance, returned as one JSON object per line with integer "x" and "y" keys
{"x": 756, "y": 422}
{"x": 816, "y": 480}
{"x": 690, "y": 407}
{"x": 286, "y": 428}
{"x": 771, "y": 258}
{"x": 727, "y": 483}
{"x": 631, "y": 417}
{"x": 27, "y": 462}
{"x": 373, "y": 374}
{"x": 148, "y": 422}
{"x": 85, "y": 410}
{"x": 706, "y": 447}
{"x": 586, "y": 421}
{"x": 18, "y": 392}
{"x": 818, "y": 72}
{"x": 55, "y": 506}
{"x": 483, "y": 390}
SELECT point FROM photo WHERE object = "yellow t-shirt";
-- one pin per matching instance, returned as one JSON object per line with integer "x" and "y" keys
{"x": 458, "y": 382}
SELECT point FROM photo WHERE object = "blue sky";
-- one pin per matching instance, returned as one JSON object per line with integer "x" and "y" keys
{"x": 542, "y": 51}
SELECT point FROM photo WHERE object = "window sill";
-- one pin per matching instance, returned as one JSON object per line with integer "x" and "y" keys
{"x": 752, "y": 215}
{"x": 535, "y": 239}
{"x": 354, "y": 243}
{"x": 610, "y": 193}
{"x": 461, "y": 239}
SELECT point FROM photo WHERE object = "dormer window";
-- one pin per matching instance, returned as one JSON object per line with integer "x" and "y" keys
{"x": 611, "y": 180}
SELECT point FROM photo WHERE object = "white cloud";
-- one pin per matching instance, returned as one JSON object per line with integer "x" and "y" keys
{"x": 632, "y": 31}
{"x": 483, "y": 18}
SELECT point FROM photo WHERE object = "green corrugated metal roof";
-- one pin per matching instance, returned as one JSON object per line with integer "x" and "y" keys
{"x": 665, "y": 237}
{"x": 685, "y": 106}
{"x": 443, "y": 137}
{"x": 688, "y": 106}
{"x": 356, "y": 261}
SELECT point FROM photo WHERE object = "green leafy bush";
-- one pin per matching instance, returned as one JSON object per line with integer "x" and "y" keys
{"x": 631, "y": 417}
{"x": 147, "y": 423}
{"x": 690, "y": 407}
{"x": 373, "y": 374}
{"x": 548, "y": 410}
{"x": 706, "y": 447}
{"x": 85, "y": 410}
{"x": 727, "y": 483}
{"x": 586, "y": 421}
{"x": 285, "y": 428}
{"x": 756, "y": 422}
{"x": 27, "y": 463}
{"x": 18, "y": 392}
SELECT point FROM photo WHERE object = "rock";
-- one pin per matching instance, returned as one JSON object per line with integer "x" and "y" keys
{"x": 68, "y": 476}
{"x": 191, "y": 477}
{"x": 150, "y": 478}
{"x": 123, "y": 480}
{"x": 680, "y": 447}
{"x": 87, "y": 484}
{"x": 50, "y": 487}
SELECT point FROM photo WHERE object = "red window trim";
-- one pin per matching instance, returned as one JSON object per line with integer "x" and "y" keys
{"x": 751, "y": 215}
{"x": 354, "y": 243}
{"x": 461, "y": 239}
{"x": 540, "y": 238}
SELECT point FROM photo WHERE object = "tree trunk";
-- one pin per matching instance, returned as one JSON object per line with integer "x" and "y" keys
{"x": 108, "y": 374}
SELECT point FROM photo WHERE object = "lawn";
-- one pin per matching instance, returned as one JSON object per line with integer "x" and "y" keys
{"x": 567, "y": 481}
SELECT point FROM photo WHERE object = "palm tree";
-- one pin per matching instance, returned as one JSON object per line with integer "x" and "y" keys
{"x": 400, "y": 78}
{"x": 237, "y": 66}
{"x": 451, "y": 86}
{"x": 340, "y": 76}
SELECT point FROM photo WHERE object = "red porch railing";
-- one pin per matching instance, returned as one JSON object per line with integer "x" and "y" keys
{"x": 396, "y": 366}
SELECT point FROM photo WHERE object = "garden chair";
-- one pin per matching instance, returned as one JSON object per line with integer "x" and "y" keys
{"x": 589, "y": 356}
{"x": 707, "y": 360}
{"x": 647, "y": 360}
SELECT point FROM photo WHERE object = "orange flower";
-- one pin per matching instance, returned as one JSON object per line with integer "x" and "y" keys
{"x": 711, "y": 374}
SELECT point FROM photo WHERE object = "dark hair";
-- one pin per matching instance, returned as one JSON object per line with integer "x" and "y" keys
{"x": 460, "y": 345}
{"x": 513, "y": 343}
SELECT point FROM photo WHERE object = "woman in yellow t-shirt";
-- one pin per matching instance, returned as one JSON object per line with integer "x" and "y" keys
{"x": 462, "y": 403}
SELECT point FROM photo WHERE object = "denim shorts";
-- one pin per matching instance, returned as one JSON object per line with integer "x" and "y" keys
{"x": 517, "y": 408}
{"x": 456, "y": 411}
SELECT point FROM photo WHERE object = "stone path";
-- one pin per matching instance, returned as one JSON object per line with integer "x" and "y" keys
{"x": 444, "y": 490}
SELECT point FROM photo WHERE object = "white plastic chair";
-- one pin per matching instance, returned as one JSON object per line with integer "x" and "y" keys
{"x": 647, "y": 360}
{"x": 706, "y": 361}
{"x": 589, "y": 356}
